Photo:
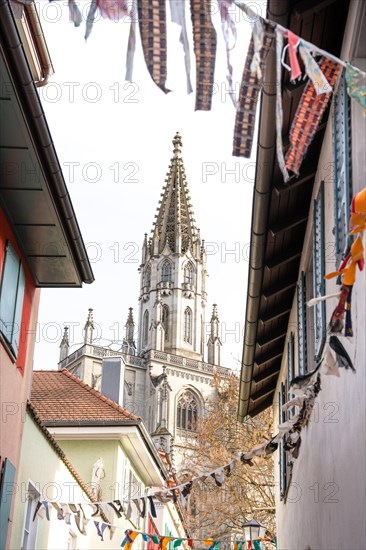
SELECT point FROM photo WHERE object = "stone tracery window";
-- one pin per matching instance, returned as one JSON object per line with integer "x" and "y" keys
{"x": 148, "y": 276}
{"x": 188, "y": 273}
{"x": 187, "y": 412}
{"x": 166, "y": 271}
{"x": 187, "y": 337}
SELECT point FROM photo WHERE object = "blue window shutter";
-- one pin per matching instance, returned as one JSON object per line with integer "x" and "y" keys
{"x": 11, "y": 298}
{"x": 6, "y": 497}
{"x": 319, "y": 273}
{"x": 341, "y": 155}
{"x": 301, "y": 324}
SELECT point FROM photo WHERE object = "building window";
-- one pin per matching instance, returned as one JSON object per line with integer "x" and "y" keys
{"x": 166, "y": 271}
{"x": 165, "y": 321}
{"x": 282, "y": 452}
{"x": 187, "y": 412}
{"x": 301, "y": 323}
{"x": 148, "y": 276}
{"x": 342, "y": 167}
{"x": 188, "y": 325}
{"x": 145, "y": 330}
{"x": 11, "y": 298}
{"x": 188, "y": 273}
{"x": 319, "y": 273}
{"x": 30, "y": 526}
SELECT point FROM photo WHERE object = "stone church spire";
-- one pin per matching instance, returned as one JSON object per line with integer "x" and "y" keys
{"x": 175, "y": 223}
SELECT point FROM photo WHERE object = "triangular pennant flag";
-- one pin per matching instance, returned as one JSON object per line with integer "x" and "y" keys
{"x": 177, "y": 543}
{"x": 145, "y": 537}
{"x": 164, "y": 542}
{"x": 155, "y": 539}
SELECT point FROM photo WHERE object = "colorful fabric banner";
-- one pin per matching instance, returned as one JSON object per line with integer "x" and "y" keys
{"x": 152, "y": 24}
{"x": 308, "y": 117}
{"x": 228, "y": 30}
{"x": 204, "y": 39}
{"x": 279, "y": 109}
{"x": 356, "y": 87}
{"x": 248, "y": 96}
{"x": 178, "y": 16}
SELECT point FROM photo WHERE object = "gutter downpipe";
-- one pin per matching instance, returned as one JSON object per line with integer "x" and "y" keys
{"x": 37, "y": 32}
{"x": 30, "y": 103}
{"x": 266, "y": 150}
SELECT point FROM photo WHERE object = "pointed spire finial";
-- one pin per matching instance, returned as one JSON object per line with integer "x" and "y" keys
{"x": 64, "y": 345}
{"x": 89, "y": 327}
{"x": 177, "y": 142}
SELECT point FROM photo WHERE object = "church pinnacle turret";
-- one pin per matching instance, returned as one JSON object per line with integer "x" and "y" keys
{"x": 175, "y": 223}
{"x": 214, "y": 342}
{"x": 89, "y": 328}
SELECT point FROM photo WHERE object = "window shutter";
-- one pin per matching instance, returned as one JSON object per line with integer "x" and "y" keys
{"x": 318, "y": 273}
{"x": 290, "y": 369}
{"x": 6, "y": 495}
{"x": 301, "y": 324}
{"x": 341, "y": 153}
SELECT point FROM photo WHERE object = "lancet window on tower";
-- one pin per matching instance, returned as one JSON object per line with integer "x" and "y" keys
{"x": 188, "y": 273}
{"x": 187, "y": 412}
{"x": 148, "y": 276}
{"x": 165, "y": 320}
{"x": 187, "y": 337}
{"x": 166, "y": 271}
{"x": 145, "y": 328}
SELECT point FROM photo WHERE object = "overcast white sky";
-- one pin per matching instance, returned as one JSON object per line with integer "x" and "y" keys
{"x": 114, "y": 142}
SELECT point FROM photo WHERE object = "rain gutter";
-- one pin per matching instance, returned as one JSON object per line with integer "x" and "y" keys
{"x": 266, "y": 148}
{"x": 29, "y": 101}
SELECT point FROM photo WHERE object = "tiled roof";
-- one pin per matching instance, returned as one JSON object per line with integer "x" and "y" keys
{"x": 59, "y": 396}
{"x": 63, "y": 457}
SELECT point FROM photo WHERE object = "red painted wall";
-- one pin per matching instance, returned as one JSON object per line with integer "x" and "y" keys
{"x": 15, "y": 377}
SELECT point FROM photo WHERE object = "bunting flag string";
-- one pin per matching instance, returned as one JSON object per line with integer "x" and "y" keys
{"x": 131, "y": 535}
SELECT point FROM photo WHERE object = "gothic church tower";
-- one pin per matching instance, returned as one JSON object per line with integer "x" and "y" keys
{"x": 173, "y": 272}
{"x": 164, "y": 377}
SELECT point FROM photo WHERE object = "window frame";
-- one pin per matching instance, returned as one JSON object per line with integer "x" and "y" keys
{"x": 187, "y": 325}
{"x": 30, "y": 527}
{"x": 319, "y": 273}
{"x": 11, "y": 302}
{"x": 302, "y": 325}
{"x": 342, "y": 189}
{"x": 166, "y": 271}
{"x": 186, "y": 422}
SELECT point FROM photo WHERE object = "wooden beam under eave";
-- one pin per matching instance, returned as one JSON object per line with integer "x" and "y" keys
{"x": 263, "y": 392}
{"x": 254, "y": 410}
{"x": 270, "y": 355}
{"x": 305, "y": 8}
{"x": 288, "y": 223}
{"x": 265, "y": 374}
{"x": 285, "y": 257}
{"x": 274, "y": 314}
{"x": 279, "y": 289}
{"x": 272, "y": 336}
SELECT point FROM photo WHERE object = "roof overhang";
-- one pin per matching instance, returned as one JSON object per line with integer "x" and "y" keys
{"x": 33, "y": 192}
{"x": 140, "y": 452}
{"x": 280, "y": 212}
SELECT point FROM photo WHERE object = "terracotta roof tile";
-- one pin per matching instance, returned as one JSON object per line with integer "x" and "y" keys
{"x": 59, "y": 396}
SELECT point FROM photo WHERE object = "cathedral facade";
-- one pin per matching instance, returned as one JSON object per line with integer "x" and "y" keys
{"x": 163, "y": 371}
